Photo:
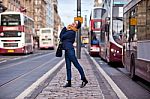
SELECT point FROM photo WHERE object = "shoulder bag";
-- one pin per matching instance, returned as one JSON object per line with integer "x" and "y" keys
{"x": 59, "y": 50}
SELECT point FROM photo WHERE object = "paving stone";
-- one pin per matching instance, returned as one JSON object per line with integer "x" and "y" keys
{"x": 92, "y": 90}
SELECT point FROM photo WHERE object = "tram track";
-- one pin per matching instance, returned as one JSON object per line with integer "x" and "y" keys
{"x": 34, "y": 58}
{"x": 25, "y": 74}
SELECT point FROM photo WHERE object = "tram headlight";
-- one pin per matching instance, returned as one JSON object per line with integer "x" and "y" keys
{"x": 114, "y": 54}
{"x": 112, "y": 50}
{"x": 118, "y": 52}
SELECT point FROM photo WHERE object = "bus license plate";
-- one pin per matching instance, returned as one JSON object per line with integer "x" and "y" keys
{"x": 10, "y": 51}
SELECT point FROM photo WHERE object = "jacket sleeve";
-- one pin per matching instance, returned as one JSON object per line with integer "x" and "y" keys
{"x": 62, "y": 32}
{"x": 68, "y": 35}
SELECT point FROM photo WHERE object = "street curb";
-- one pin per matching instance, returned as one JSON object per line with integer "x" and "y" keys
{"x": 117, "y": 90}
{"x": 31, "y": 88}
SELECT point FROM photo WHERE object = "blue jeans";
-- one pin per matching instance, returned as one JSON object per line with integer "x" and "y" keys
{"x": 70, "y": 57}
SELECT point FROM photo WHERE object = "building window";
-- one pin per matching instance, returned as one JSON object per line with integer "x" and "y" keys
{"x": 36, "y": 2}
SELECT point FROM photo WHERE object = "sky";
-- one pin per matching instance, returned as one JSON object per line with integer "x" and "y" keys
{"x": 67, "y": 9}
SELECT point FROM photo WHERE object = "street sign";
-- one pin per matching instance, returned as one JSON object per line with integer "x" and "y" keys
{"x": 133, "y": 21}
{"x": 78, "y": 19}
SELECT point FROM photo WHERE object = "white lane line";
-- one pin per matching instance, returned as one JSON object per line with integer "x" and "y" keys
{"x": 20, "y": 57}
{"x": 15, "y": 58}
{"x": 3, "y": 61}
{"x": 25, "y": 61}
{"x": 117, "y": 90}
{"x": 30, "y": 89}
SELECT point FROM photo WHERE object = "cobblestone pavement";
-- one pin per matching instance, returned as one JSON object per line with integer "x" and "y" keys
{"x": 93, "y": 90}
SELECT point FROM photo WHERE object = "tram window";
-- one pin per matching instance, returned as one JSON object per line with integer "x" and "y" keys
{"x": 103, "y": 37}
{"x": 107, "y": 27}
{"x": 148, "y": 16}
{"x": 131, "y": 33}
{"x": 141, "y": 32}
{"x": 148, "y": 20}
{"x": 148, "y": 32}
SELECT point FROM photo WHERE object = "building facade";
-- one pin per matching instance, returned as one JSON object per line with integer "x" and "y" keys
{"x": 2, "y": 6}
{"x": 27, "y": 7}
{"x": 49, "y": 14}
{"x": 33, "y": 8}
{"x": 12, "y": 5}
{"x": 39, "y": 14}
{"x": 57, "y": 20}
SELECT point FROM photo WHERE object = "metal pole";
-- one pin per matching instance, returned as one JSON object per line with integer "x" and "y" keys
{"x": 79, "y": 31}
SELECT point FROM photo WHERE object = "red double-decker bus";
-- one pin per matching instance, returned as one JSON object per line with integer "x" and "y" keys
{"x": 95, "y": 30}
{"x": 16, "y": 33}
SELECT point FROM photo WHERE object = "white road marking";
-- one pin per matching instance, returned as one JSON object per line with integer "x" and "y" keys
{"x": 117, "y": 90}
{"x": 3, "y": 61}
{"x": 30, "y": 89}
{"x": 25, "y": 61}
{"x": 16, "y": 58}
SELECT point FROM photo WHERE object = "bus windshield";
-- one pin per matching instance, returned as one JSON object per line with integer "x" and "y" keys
{"x": 117, "y": 30}
{"x": 97, "y": 13}
{"x": 117, "y": 23}
{"x": 10, "y": 20}
{"x": 46, "y": 31}
{"x": 97, "y": 24}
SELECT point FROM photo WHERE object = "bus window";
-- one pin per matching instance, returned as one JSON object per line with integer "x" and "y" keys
{"x": 97, "y": 25}
{"x": 95, "y": 42}
{"x": 97, "y": 13}
{"x": 10, "y": 20}
{"x": 46, "y": 31}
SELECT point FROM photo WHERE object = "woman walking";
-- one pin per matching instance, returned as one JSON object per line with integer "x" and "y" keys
{"x": 67, "y": 37}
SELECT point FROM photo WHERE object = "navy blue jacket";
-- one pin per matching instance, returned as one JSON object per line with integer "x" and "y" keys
{"x": 68, "y": 38}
